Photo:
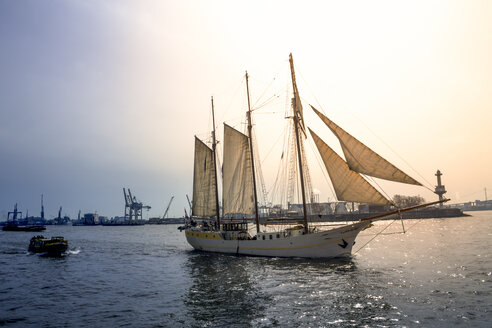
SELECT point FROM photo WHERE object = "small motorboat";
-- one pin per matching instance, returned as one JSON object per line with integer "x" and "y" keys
{"x": 53, "y": 246}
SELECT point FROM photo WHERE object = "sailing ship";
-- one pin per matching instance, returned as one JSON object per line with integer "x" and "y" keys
{"x": 208, "y": 230}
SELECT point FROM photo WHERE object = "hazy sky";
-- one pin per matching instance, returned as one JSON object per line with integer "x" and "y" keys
{"x": 100, "y": 95}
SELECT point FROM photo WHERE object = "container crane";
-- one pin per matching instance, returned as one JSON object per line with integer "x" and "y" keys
{"x": 133, "y": 208}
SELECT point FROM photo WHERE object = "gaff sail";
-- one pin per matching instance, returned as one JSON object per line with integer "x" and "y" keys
{"x": 204, "y": 182}
{"x": 237, "y": 194}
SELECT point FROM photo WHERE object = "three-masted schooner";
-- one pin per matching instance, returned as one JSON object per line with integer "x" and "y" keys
{"x": 208, "y": 231}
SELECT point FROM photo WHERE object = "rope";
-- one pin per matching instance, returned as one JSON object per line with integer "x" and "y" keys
{"x": 380, "y": 188}
{"x": 374, "y": 237}
{"x": 390, "y": 148}
{"x": 233, "y": 96}
{"x": 265, "y": 103}
{"x": 298, "y": 72}
{"x": 391, "y": 233}
{"x": 413, "y": 225}
{"x": 373, "y": 133}
{"x": 271, "y": 149}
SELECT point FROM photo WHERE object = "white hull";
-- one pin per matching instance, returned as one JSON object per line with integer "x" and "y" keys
{"x": 336, "y": 242}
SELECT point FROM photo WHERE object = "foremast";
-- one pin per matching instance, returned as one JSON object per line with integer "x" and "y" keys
{"x": 250, "y": 135}
{"x": 298, "y": 124}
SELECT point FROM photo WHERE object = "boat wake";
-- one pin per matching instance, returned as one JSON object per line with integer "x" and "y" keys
{"x": 12, "y": 252}
{"x": 73, "y": 251}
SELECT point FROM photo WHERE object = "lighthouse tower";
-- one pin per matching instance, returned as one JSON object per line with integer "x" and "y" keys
{"x": 440, "y": 189}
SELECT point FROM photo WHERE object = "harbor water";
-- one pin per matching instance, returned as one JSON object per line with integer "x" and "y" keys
{"x": 438, "y": 274}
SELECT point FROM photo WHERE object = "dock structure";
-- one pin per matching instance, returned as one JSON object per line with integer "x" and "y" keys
{"x": 133, "y": 208}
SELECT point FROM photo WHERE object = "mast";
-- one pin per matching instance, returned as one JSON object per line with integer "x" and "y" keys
{"x": 299, "y": 155}
{"x": 214, "y": 144}
{"x": 250, "y": 135}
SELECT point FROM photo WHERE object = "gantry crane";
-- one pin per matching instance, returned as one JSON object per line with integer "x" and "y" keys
{"x": 133, "y": 208}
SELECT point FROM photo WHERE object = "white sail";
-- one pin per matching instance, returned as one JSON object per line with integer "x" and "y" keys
{"x": 237, "y": 194}
{"x": 362, "y": 159}
{"x": 204, "y": 182}
{"x": 349, "y": 185}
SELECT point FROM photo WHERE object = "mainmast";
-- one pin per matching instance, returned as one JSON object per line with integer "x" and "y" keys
{"x": 214, "y": 144}
{"x": 250, "y": 135}
{"x": 297, "y": 123}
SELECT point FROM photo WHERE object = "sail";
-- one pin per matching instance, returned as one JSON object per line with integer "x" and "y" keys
{"x": 237, "y": 195}
{"x": 204, "y": 182}
{"x": 349, "y": 185}
{"x": 362, "y": 159}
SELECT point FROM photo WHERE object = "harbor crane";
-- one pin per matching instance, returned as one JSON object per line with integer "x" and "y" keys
{"x": 42, "y": 208}
{"x": 14, "y": 214}
{"x": 167, "y": 209}
{"x": 133, "y": 208}
{"x": 59, "y": 218}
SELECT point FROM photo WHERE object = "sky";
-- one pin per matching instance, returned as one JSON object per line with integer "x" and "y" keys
{"x": 96, "y": 96}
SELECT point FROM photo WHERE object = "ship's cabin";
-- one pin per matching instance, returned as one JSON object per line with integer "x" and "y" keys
{"x": 289, "y": 232}
{"x": 235, "y": 230}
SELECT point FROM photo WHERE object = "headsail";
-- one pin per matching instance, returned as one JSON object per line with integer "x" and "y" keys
{"x": 204, "y": 185}
{"x": 237, "y": 192}
{"x": 349, "y": 185}
{"x": 362, "y": 159}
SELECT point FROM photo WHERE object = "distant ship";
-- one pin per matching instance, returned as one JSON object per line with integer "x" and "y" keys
{"x": 59, "y": 220}
{"x": 89, "y": 219}
{"x": 478, "y": 205}
{"x": 166, "y": 220}
{"x": 13, "y": 223}
{"x": 122, "y": 221}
